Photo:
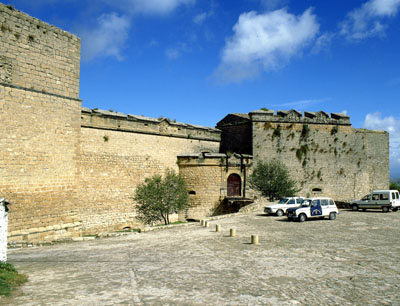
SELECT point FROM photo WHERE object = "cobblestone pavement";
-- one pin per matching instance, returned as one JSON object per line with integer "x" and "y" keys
{"x": 354, "y": 260}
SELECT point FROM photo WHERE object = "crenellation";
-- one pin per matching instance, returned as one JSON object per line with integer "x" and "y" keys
{"x": 294, "y": 116}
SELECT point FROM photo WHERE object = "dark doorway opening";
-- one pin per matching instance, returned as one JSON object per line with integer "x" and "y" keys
{"x": 234, "y": 185}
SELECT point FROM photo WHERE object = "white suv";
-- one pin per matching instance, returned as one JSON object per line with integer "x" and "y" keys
{"x": 280, "y": 208}
{"x": 378, "y": 199}
{"x": 314, "y": 208}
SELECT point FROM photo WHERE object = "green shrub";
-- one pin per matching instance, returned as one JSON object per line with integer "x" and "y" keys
{"x": 159, "y": 197}
{"x": 9, "y": 278}
{"x": 273, "y": 180}
{"x": 394, "y": 186}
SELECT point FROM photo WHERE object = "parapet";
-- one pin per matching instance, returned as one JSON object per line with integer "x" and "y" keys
{"x": 109, "y": 120}
{"x": 294, "y": 116}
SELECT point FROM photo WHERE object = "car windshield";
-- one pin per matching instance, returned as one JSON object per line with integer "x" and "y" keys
{"x": 306, "y": 202}
{"x": 283, "y": 201}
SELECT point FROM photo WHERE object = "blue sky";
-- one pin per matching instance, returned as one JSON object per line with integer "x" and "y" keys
{"x": 197, "y": 60}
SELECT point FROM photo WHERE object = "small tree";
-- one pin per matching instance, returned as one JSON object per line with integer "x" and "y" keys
{"x": 159, "y": 197}
{"x": 394, "y": 186}
{"x": 272, "y": 179}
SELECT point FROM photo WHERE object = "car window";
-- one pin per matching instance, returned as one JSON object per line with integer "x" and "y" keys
{"x": 393, "y": 195}
{"x": 324, "y": 202}
{"x": 397, "y": 195}
{"x": 283, "y": 201}
{"x": 366, "y": 198}
{"x": 300, "y": 200}
{"x": 315, "y": 202}
{"x": 331, "y": 203}
{"x": 384, "y": 196}
{"x": 375, "y": 197}
{"x": 292, "y": 201}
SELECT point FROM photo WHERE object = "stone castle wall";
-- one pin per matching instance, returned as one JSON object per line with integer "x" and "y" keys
{"x": 38, "y": 56}
{"x": 117, "y": 157}
{"x": 206, "y": 177}
{"x": 69, "y": 171}
{"x": 325, "y": 155}
{"x": 40, "y": 126}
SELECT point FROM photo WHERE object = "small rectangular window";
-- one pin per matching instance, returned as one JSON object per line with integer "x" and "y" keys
{"x": 384, "y": 196}
{"x": 324, "y": 202}
{"x": 331, "y": 203}
{"x": 375, "y": 197}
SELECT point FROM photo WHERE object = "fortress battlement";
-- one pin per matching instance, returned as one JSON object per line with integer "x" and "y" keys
{"x": 109, "y": 120}
{"x": 294, "y": 116}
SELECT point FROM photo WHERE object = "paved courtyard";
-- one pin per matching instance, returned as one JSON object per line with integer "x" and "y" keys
{"x": 354, "y": 260}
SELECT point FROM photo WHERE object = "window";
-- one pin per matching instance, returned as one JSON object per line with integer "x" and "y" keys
{"x": 331, "y": 203}
{"x": 366, "y": 198}
{"x": 393, "y": 195}
{"x": 192, "y": 192}
{"x": 315, "y": 203}
{"x": 375, "y": 197}
{"x": 292, "y": 201}
{"x": 317, "y": 190}
{"x": 384, "y": 196}
{"x": 324, "y": 202}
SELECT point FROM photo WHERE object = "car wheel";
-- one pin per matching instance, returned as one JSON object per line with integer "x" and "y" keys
{"x": 385, "y": 209}
{"x": 332, "y": 216}
{"x": 279, "y": 213}
{"x": 302, "y": 217}
{"x": 395, "y": 209}
{"x": 354, "y": 207}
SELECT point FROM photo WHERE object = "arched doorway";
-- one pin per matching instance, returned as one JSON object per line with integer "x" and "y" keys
{"x": 234, "y": 185}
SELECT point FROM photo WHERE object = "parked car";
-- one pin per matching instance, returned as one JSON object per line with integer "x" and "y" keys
{"x": 314, "y": 208}
{"x": 280, "y": 208}
{"x": 378, "y": 199}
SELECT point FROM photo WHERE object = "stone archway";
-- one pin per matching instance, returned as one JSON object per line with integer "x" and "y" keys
{"x": 234, "y": 185}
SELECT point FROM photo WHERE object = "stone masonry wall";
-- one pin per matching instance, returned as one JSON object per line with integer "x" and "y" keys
{"x": 204, "y": 182}
{"x": 40, "y": 127}
{"x": 38, "y": 56}
{"x": 113, "y": 162}
{"x": 206, "y": 176}
{"x": 330, "y": 160}
{"x": 39, "y": 137}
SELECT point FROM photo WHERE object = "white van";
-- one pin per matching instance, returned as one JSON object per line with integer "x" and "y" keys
{"x": 378, "y": 199}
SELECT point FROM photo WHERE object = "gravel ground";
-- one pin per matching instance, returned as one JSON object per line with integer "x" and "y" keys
{"x": 353, "y": 260}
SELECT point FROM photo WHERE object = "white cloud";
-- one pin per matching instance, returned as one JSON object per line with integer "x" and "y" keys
{"x": 149, "y": 7}
{"x": 111, "y": 31}
{"x": 390, "y": 124}
{"x": 273, "y": 4}
{"x": 200, "y": 18}
{"x": 265, "y": 42}
{"x": 323, "y": 43}
{"x": 367, "y": 21}
{"x": 175, "y": 52}
{"x": 302, "y": 103}
{"x": 107, "y": 38}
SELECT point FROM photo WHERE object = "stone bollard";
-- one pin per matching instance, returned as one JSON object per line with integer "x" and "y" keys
{"x": 218, "y": 228}
{"x": 202, "y": 222}
{"x": 206, "y": 224}
{"x": 232, "y": 232}
{"x": 254, "y": 239}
